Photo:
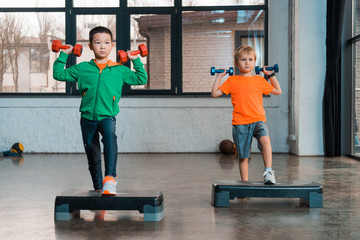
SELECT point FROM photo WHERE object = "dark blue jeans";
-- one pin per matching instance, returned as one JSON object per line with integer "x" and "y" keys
{"x": 90, "y": 133}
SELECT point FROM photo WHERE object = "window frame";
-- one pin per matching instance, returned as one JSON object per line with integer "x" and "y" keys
{"x": 355, "y": 150}
{"x": 123, "y": 16}
{"x": 127, "y": 91}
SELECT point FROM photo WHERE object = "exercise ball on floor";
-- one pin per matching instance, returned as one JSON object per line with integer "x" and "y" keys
{"x": 227, "y": 147}
{"x": 17, "y": 148}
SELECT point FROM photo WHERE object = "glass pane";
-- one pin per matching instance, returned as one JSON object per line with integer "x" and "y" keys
{"x": 356, "y": 115}
{"x": 254, "y": 39}
{"x": 25, "y": 57}
{"x": 155, "y": 32}
{"x": 84, "y": 24}
{"x": 356, "y": 6}
{"x": 210, "y": 39}
{"x": 150, "y": 3}
{"x": 32, "y": 3}
{"x": 96, "y": 3}
{"x": 222, "y": 2}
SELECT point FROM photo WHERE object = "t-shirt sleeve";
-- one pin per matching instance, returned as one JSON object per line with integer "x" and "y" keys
{"x": 225, "y": 87}
{"x": 267, "y": 87}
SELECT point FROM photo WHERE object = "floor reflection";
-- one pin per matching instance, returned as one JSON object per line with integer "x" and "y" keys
{"x": 30, "y": 184}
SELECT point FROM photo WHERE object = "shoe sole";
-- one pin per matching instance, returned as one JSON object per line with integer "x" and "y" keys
{"x": 269, "y": 183}
{"x": 106, "y": 192}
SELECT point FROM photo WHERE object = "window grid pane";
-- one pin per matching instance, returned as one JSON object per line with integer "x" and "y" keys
{"x": 96, "y": 3}
{"x": 154, "y": 31}
{"x": 222, "y": 2}
{"x": 25, "y": 40}
{"x": 150, "y": 3}
{"x": 31, "y": 3}
{"x": 357, "y": 96}
{"x": 356, "y": 76}
{"x": 210, "y": 39}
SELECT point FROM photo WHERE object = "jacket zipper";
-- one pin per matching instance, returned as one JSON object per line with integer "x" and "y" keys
{"x": 96, "y": 96}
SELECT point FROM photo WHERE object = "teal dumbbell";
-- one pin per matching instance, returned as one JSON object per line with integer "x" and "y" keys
{"x": 275, "y": 68}
{"x": 213, "y": 71}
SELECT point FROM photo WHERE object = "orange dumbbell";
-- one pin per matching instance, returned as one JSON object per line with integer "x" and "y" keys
{"x": 56, "y": 46}
{"x": 142, "y": 51}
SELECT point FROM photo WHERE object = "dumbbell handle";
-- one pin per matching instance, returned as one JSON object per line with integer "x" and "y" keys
{"x": 64, "y": 47}
{"x": 221, "y": 70}
{"x": 135, "y": 52}
{"x": 268, "y": 68}
{"x": 213, "y": 71}
{"x": 275, "y": 68}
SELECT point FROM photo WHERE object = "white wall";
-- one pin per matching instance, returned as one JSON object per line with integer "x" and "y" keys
{"x": 143, "y": 124}
{"x": 278, "y": 116}
{"x": 181, "y": 124}
{"x": 309, "y": 69}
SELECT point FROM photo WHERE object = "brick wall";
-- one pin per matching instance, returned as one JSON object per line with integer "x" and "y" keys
{"x": 205, "y": 44}
{"x": 159, "y": 58}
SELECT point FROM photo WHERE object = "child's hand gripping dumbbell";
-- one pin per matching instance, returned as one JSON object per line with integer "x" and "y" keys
{"x": 213, "y": 71}
{"x": 275, "y": 68}
{"x": 123, "y": 56}
{"x": 56, "y": 46}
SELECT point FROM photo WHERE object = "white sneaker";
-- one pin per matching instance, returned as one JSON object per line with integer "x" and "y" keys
{"x": 109, "y": 186}
{"x": 269, "y": 177}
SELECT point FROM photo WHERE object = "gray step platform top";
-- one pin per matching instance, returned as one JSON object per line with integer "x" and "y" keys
{"x": 119, "y": 194}
{"x": 301, "y": 189}
{"x": 310, "y": 193}
{"x": 123, "y": 200}
{"x": 261, "y": 185}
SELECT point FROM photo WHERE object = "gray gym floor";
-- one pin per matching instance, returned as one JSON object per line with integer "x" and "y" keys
{"x": 28, "y": 188}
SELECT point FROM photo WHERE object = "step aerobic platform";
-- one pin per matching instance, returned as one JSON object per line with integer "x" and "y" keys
{"x": 149, "y": 202}
{"x": 310, "y": 193}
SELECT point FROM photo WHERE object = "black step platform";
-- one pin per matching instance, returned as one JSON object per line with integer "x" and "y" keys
{"x": 310, "y": 193}
{"x": 148, "y": 202}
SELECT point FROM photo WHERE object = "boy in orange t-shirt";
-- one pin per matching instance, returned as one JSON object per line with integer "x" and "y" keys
{"x": 249, "y": 115}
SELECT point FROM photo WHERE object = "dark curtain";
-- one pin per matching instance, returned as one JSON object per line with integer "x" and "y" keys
{"x": 332, "y": 98}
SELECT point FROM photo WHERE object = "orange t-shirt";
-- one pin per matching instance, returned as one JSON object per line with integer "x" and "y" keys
{"x": 102, "y": 65}
{"x": 247, "y": 98}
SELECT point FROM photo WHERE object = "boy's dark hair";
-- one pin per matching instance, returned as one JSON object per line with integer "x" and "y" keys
{"x": 99, "y": 29}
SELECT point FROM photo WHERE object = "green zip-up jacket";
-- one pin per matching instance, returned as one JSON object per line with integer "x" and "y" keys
{"x": 100, "y": 90}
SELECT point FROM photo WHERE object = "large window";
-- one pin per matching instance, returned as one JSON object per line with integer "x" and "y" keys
{"x": 184, "y": 38}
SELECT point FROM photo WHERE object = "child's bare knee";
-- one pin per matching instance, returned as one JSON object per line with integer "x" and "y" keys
{"x": 265, "y": 140}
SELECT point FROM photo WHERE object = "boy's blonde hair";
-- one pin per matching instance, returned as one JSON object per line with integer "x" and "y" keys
{"x": 243, "y": 49}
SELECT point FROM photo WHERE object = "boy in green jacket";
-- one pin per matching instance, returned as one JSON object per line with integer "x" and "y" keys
{"x": 100, "y": 83}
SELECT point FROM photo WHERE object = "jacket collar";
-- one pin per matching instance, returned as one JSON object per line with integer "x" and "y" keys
{"x": 110, "y": 63}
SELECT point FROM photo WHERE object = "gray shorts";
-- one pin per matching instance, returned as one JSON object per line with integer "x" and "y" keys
{"x": 243, "y": 134}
